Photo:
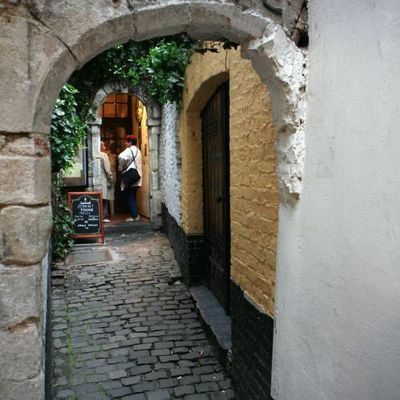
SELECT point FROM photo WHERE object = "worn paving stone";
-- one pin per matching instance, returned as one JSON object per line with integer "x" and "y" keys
{"x": 122, "y": 330}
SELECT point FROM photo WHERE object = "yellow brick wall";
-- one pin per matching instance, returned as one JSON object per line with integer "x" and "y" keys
{"x": 254, "y": 195}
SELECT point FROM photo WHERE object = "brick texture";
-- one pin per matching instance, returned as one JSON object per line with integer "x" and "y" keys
{"x": 254, "y": 193}
{"x": 188, "y": 249}
{"x": 252, "y": 333}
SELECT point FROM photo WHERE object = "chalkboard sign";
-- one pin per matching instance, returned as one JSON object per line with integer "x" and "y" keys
{"x": 87, "y": 214}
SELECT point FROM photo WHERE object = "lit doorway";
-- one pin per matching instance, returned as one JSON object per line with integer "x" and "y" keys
{"x": 123, "y": 115}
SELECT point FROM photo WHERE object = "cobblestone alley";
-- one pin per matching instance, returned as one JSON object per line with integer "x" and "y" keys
{"x": 128, "y": 329}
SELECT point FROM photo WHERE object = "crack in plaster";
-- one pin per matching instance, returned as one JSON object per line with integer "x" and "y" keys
{"x": 24, "y": 325}
{"x": 18, "y": 262}
{"x": 30, "y": 378}
{"x": 29, "y": 206}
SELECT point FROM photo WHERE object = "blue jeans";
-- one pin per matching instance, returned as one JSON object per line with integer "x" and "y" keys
{"x": 130, "y": 194}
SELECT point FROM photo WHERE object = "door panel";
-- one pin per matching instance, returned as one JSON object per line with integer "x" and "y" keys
{"x": 143, "y": 195}
{"x": 215, "y": 134}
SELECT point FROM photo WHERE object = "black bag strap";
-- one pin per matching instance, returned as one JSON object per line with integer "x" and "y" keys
{"x": 133, "y": 159}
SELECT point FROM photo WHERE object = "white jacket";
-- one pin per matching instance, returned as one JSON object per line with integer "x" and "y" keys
{"x": 106, "y": 177}
{"x": 125, "y": 158}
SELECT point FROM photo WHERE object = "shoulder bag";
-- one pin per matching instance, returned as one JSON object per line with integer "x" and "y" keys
{"x": 130, "y": 176}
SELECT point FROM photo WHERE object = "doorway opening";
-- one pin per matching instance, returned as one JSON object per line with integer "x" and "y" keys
{"x": 122, "y": 115}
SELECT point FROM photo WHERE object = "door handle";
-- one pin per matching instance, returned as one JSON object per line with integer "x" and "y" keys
{"x": 219, "y": 199}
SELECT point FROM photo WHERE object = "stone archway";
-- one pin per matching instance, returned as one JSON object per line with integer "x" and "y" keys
{"x": 263, "y": 41}
{"x": 45, "y": 43}
{"x": 154, "y": 130}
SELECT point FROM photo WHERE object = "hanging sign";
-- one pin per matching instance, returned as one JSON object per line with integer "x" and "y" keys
{"x": 87, "y": 214}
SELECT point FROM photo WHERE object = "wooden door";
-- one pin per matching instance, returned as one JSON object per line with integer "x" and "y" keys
{"x": 215, "y": 136}
{"x": 143, "y": 195}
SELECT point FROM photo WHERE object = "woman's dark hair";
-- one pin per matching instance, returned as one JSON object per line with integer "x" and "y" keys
{"x": 132, "y": 141}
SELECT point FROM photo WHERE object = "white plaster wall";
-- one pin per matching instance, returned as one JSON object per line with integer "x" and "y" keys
{"x": 338, "y": 284}
{"x": 170, "y": 161}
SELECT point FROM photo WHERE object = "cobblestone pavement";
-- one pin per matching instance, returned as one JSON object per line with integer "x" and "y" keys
{"x": 129, "y": 330}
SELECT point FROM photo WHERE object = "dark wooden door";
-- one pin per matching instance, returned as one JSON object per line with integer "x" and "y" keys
{"x": 215, "y": 135}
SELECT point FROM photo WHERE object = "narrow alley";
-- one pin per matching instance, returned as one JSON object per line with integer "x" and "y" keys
{"x": 127, "y": 328}
{"x": 258, "y": 138}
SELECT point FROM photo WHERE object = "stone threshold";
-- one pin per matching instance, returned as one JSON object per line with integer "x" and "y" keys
{"x": 123, "y": 227}
{"x": 216, "y": 323}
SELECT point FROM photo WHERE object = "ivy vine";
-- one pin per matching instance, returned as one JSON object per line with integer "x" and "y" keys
{"x": 66, "y": 135}
{"x": 158, "y": 64}
{"x": 67, "y": 129}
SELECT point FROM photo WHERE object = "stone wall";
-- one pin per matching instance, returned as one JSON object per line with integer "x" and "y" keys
{"x": 25, "y": 222}
{"x": 170, "y": 161}
{"x": 253, "y": 181}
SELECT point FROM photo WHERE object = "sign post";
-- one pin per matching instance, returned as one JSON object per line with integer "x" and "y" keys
{"x": 87, "y": 214}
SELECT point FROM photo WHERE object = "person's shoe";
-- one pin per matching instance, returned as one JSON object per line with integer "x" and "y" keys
{"x": 137, "y": 218}
{"x": 130, "y": 219}
{"x": 106, "y": 220}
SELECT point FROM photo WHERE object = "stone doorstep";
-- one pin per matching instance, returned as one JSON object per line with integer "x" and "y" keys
{"x": 215, "y": 321}
{"x": 130, "y": 228}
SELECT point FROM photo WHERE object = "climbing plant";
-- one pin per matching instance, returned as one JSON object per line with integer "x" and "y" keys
{"x": 62, "y": 225}
{"x": 164, "y": 69}
{"x": 158, "y": 64}
{"x": 66, "y": 135}
{"x": 67, "y": 129}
